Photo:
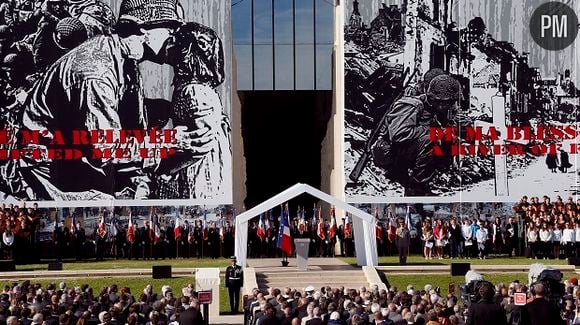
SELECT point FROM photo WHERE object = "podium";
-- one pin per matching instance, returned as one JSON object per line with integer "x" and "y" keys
{"x": 302, "y": 247}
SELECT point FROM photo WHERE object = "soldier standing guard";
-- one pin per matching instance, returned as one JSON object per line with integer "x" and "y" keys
{"x": 234, "y": 281}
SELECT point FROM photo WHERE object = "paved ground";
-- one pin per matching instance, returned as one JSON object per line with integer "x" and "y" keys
{"x": 315, "y": 263}
{"x": 228, "y": 319}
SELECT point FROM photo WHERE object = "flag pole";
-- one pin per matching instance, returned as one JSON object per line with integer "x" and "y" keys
{"x": 176, "y": 240}
{"x": 284, "y": 254}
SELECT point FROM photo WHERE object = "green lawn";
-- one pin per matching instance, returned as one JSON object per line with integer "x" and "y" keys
{"x": 419, "y": 260}
{"x": 129, "y": 264}
{"x": 439, "y": 280}
{"x": 137, "y": 285}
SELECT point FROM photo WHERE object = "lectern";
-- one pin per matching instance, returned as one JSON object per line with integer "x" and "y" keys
{"x": 302, "y": 247}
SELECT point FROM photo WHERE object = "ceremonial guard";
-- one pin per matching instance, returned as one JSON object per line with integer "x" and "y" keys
{"x": 171, "y": 250}
{"x": 79, "y": 235}
{"x": 146, "y": 236}
{"x": 228, "y": 239}
{"x": 197, "y": 239}
{"x": 213, "y": 241}
{"x": 58, "y": 239}
{"x": 101, "y": 239}
{"x": 234, "y": 281}
{"x": 340, "y": 235}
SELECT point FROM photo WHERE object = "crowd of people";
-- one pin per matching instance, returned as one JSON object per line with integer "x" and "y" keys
{"x": 427, "y": 305}
{"x": 19, "y": 229}
{"x": 28, "y": 303}
{"x": 537, "y": 229}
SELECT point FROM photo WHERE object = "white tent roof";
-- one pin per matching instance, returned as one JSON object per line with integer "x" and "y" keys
{"x": 364, "y": 229}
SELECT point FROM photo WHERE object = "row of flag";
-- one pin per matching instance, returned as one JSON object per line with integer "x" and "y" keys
{"x": 264, "y": 230}
{"x": 155, "y": 230}
{"x": 284, "y": 240}
{"x": 264, "y": 226}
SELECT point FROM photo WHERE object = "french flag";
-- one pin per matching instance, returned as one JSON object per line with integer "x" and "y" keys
{"x": 392, "y": 234}
{"x": 130, "y": 229}
{"x": 332, "y": 229}
{"x": 157, "y": 230}
{"x": 378, "y": 228}
{"x": 320, "y": 226}
{"x": 347, "y": 228}
{"x": 261, "y": 231}
{"x": 284, "y": 236}
{"x": 177, "y": 230}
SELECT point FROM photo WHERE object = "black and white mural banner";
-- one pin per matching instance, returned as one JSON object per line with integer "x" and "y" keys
{"x": 450, "y": 101}
{"x": 120, "y": 102}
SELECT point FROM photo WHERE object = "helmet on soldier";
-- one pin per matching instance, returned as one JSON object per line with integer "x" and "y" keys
{"x": 444, "y": 88}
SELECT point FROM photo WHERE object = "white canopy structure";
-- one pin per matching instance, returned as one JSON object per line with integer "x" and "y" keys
{"x": 363, "y": 223}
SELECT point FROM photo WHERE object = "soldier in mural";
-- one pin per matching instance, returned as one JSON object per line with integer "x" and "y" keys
{"x": 407, "y": 147}
{"x": 97, "y": 59}
{"x": 504, "y": 81}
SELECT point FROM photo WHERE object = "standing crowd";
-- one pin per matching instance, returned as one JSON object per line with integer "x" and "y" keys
{"x": 542, "y": 229}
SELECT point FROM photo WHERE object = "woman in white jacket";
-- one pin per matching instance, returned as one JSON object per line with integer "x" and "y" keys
{"x": 569, "y": 239}
{"x": 556, "y": 239}
{"x": 468, "y": 237}
{"x": 481, "y": 237}
{"x": 546, "y": 240}
{"x": 532, "y": 236}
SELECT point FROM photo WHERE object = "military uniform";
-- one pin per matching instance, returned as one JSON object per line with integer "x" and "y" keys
{"x": 234, "y": 282}
{"x": 407, "y": 138}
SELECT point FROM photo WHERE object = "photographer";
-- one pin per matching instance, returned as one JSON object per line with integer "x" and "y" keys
{"x": 541, "y": 311}
{"x": 486, "y": 311}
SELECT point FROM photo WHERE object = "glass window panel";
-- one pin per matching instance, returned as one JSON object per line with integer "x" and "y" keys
{"x": 263, "y": 69}
{"x": 262, "y": 21}
{"x": 242, "y": 22}
{"x": 304, "y": 67}
{"x": 243, "y": 55}
{"x": 324, "y": 21}
{"x": 324, "y": 67}
{"x": 304, "y": 22}
{"x": 284, "y": 67}
{"x": 283, "y": 21}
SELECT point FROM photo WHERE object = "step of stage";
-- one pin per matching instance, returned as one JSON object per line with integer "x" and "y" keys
{"x": 316, "y": 278}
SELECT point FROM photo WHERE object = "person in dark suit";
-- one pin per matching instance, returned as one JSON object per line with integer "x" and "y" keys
{"x": 486, "y": 311}
{"x": 191, "y": 316}
{"x": 80, "y": 237}
{"x": 145, "y": 235}
{"x": 234, "y": 282}
{"x": 340, "y": 235}
{"x": 315, "y": 320}
{"x": 171, "y": 247}
{"x": 269, "y": 317}
{"x": 403, "y": 243}
{"x": 541, "y": 311}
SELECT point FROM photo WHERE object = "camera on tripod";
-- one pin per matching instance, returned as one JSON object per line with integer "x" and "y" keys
{"x": 552, "y": 280}
{"x": 469, "y": 292}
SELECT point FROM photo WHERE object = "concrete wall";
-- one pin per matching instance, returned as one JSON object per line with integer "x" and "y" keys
{"x": 332, "y": 159}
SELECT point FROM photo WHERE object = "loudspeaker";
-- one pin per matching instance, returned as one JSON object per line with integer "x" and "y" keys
{"x": 161, "y": 271}
{"x": 7, "y": 265}
{"x": 459, "y": 269}
{"x": 56, "y": 266}
{"x": 574, "y": 261}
